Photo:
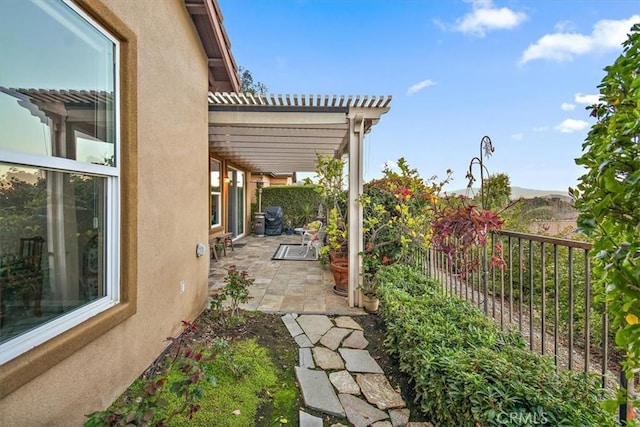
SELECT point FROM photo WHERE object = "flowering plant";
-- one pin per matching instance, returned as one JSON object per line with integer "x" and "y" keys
{"x": 397, "y": 211}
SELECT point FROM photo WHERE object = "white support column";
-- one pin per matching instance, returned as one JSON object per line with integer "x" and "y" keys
{"x": 356, "y": 241}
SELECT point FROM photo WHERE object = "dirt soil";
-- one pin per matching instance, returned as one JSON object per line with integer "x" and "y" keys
{"x": 270, "y": 332}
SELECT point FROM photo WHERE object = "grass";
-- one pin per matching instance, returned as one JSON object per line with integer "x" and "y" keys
{"x": 230, "y": 399}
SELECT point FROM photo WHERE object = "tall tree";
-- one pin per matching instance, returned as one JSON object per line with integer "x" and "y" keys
{"x": 248, "y": 85}
{"x": 497, "y": 189}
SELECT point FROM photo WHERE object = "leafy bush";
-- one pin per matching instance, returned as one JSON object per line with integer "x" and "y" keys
{"x": 607, "y": 196}
{"x": 298, "y": 202}
{"x": 466, "y": 371}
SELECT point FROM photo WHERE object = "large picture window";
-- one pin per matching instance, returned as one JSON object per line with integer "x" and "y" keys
{"x": 59, "y": 172}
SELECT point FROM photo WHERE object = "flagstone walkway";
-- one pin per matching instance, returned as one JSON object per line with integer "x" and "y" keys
{"x": 338, "y": 376}
{"x": 336, "y": 373}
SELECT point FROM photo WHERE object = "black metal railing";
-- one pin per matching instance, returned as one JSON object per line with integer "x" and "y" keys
{"x": 539, "y": 284}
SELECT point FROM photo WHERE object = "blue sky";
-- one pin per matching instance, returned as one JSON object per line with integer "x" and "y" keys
{"x": 521, "y": 72}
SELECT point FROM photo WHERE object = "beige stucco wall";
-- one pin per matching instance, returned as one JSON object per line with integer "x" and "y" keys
{"x": 172, "y": 217}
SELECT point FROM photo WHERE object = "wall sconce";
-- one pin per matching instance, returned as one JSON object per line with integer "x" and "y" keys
{"x": 227, "y": 180}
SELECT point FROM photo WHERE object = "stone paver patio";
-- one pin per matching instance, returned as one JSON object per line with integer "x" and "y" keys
{"x": 281, "y": 286}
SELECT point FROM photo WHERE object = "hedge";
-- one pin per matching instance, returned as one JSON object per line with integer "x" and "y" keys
{"x": 465, "y": 371}
{"x": 299, "y": 203}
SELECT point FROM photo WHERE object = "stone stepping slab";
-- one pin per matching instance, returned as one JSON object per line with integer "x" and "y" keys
{"x": 399, "y": 417}
{"x": 378, "y": 391}
{"x": 359, "y": 412}
{"x": 305, "y": 358}
{"x": 356, "y": 340}
{"x": 347, "y": 322}
{"x": 292, "y": 325}
{"x": 314, "y": 326}
{"x": 333, "y": 338}
{"x": 327, "y": 359}
{"x": 308, "y": 420}
{"x": 344, "y": 382}
{"x": 303, "y": 341}
{"x": 359, "y": 361}
{"x": 317, "y": 391}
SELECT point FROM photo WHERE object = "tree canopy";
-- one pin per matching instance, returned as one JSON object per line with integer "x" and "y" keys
{"x": 248, "y": 85}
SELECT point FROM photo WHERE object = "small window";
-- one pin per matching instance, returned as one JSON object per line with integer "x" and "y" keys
{"x": 216, "y": 193}
{"x": 59, "y": 172}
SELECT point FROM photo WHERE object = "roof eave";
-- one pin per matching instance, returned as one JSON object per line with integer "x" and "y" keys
{"x": 207, "y": 19}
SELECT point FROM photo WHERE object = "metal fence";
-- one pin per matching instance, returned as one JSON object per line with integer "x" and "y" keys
{"x": 540, "y": 285}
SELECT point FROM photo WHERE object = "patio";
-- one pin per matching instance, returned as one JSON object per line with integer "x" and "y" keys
{"x": 303, "y": 287}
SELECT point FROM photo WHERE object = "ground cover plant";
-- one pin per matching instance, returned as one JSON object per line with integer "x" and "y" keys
{"x": 249, "y": 382}
{"x": 213, "y": 374}
{"x": 465, "y": 371}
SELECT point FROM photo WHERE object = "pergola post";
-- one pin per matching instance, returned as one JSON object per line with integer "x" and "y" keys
{"x": 356, "y": 176}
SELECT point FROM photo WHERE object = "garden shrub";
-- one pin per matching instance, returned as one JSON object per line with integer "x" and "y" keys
{"x": 298, "y": 202}
{"x": 466, "y": 371}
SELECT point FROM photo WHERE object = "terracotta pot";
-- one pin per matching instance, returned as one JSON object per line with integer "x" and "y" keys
{"x": 340, "y": 272}
{"x": 338, "y": 257}
{"x": 370, "y": 303}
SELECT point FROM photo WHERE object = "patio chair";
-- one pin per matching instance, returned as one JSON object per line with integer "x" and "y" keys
{"x": 316, "y": 241}
{"x": 309, "y": 231}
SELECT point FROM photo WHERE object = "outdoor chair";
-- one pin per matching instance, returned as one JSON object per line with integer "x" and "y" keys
{"x": 309, "y": 231}
{"x": 316, "y": 241}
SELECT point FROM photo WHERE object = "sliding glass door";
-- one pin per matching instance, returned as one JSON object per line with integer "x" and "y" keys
{"x": 236, "y": 201}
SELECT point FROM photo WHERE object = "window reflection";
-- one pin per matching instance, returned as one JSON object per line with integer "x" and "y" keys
{"x": 56, "y": 86}
{"x": 51, "y": 251}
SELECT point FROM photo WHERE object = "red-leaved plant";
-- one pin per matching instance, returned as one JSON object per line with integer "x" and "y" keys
{"x": 458, "y": 227}
{"x": 143, "y": 409}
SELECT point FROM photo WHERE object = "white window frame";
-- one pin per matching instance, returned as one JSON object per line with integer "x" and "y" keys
{"x": 28, "y": 340}
{"x": 217, "y": 194}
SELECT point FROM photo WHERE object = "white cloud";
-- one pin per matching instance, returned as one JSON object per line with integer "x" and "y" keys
{"x": 564, "y": 46}
{"x": 586, "y": 99}
{"x": 567, "y": 107}
{"x": 486, "y": 17}
{"x": 571, "y": 125}
{"x": 517, "y": 136}
{"x": 564, "y": 26}
{"x": 419, "y": 86}
{"x": 541, "y": 129}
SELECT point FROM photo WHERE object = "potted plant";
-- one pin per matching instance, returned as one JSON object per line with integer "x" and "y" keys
{"x": 288, "y": 228}
{"x": 369, "y": 286}
{"x": 329, "y": 171}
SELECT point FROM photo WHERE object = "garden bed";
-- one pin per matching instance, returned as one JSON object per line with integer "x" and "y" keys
{"x": 280, "y": 402}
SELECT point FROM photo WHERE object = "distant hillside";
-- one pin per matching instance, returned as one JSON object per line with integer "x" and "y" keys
{"x": 518, "y": 192}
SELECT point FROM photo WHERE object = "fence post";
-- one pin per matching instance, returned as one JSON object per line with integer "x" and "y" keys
{"x": 625, "y": 412}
